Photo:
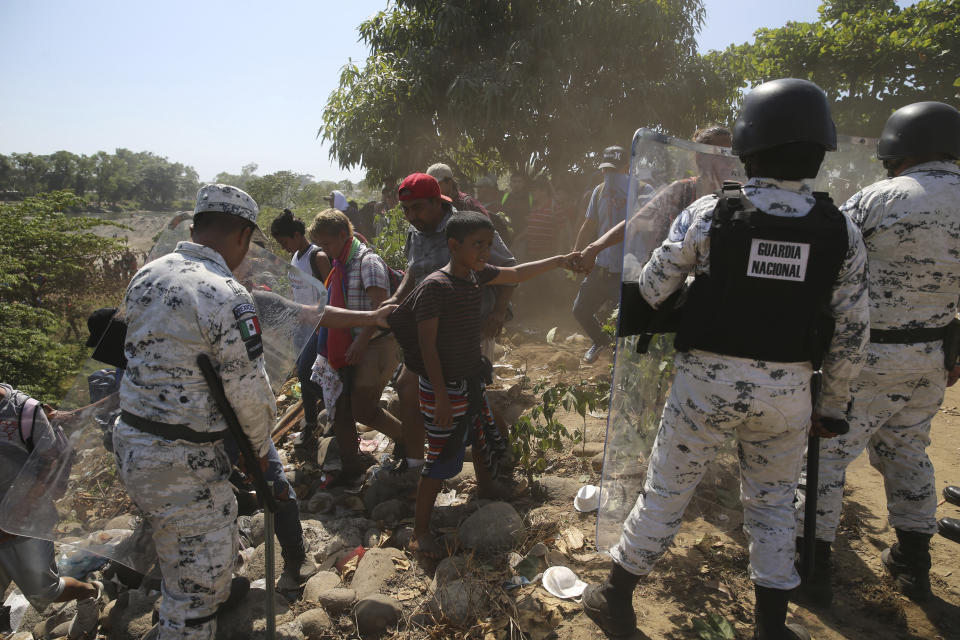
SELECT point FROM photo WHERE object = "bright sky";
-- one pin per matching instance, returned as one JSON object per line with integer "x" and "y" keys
{"x": 213, "y": 84}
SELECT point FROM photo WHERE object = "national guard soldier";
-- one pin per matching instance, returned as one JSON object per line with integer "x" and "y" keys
{"x": 169, "y": 439}
{"x": 910, "y": 224}
{"x": 775, "y": 264}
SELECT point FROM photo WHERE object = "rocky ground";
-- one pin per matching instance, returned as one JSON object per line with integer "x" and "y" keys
{"x": 386, "y": 592}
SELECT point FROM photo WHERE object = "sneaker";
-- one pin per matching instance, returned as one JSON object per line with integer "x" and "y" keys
{"x": 593, "y": 352}
{"x": 88, "y": 614}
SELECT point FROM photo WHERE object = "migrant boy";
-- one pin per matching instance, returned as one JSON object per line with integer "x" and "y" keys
{"x": 439, "y": 328}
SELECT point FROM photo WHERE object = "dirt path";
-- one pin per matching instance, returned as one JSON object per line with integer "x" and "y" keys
{"x": 696, "y": 578}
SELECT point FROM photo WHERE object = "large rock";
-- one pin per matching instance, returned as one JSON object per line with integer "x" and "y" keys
{"x": 375, "y": 568}
{"x": 327, "y": 537}
{"x": 458, "y": 602}
{"x": 596, "y": 462}
{"x": 336, "y": 601}
{"x": 315, "y": 624}
{"x": 250, "y": 618}
{"x": 493, "y": 527}
{"x": 391, "y": 511}
{"x": 465, "y": 479}
{"x": 320, "y": 583}
{"x": 376, "y": 614}
{"x": 557, "y": 489}
{"x": 588, "y": 449}
{"x": 449, "y": 570}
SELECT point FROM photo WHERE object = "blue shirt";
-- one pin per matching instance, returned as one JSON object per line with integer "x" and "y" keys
{"x": 608, "y": 205}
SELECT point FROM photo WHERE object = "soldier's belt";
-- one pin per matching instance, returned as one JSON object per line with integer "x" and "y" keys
{"x": 906, "y": 336}
{"x": 170, "y": 431}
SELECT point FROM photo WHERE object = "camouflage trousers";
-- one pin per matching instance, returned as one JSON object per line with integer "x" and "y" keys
{"x": 766, "y": 407}
{"x": 890, "y": 416}
{"x": 184, "y": 492}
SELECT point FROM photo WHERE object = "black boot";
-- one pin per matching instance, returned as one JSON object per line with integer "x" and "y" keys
{"x": 817, "y": 590}
{"x": 909, "y": 563}
{"x": 952, "y": 495}
{"x": 771, "y": 614}
{"x": 610, "y": 603}
{"x": 297, "y": 568}
{"x": 949, "y": 528}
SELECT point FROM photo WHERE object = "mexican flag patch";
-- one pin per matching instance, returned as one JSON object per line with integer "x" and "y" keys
{"x": 249, "y": 327}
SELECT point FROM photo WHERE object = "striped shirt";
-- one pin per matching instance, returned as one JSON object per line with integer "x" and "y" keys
{"x": 456, "y": 302}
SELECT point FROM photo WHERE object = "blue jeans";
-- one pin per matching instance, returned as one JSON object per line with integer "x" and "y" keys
{"x": 287, "y": 518}
{"x": 599, "y": 287}
{"x": 310, "y": 392}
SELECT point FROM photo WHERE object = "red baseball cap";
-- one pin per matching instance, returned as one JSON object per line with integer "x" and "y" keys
{"x": 420, "y": 185}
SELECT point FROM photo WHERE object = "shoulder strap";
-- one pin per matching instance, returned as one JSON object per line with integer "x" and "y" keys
{"x": 27, "y": 416}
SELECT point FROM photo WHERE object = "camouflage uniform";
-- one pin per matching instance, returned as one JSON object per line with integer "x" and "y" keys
{"x": 766, "y": 405}
{"x": 910, "y": 225}
{"x": 179, "y": 306}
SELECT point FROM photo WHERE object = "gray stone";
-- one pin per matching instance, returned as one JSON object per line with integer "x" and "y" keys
{"x": 458, "y": 602}
{"x": 596, "y": 462}
{"x": 493, "y": 527}
{"x": 376, "y": 614}
{"x": 315, "y": 624}
{"x": 391, "y": 511}
{"x": 557, "y": 489}
{"x": 336, "y": 601}
{"x": 449, "y": 570}
{"x": 291, "y": 631}
{"x": 587, "y": 450}
{"x": 250, "y": 618}
{"x": 256, "y": 529}
{"x": 375, "y": 568}
{"x": 120, "y": 522}
{"x": 466, "y": 478}
{"x": 321, "y": 582}
{"x": 329, "y": 537}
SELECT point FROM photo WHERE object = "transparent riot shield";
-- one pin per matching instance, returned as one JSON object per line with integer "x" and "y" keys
{"x": 69, "y": 492}
{"x": 668, "y": 175}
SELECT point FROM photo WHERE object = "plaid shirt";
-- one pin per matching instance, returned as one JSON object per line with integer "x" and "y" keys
{"x": 372, "y": 273}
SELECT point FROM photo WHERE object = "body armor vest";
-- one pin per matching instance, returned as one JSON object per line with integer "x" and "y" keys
{"x": 771, "y": 277}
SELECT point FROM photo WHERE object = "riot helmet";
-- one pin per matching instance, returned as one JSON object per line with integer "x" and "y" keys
{"x": 920, "y": 129}
{"x": 781, "y": 112}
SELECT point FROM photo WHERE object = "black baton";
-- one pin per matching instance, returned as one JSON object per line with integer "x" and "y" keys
{"x": 839, "y": 427}
{"x": 233, "y": 424}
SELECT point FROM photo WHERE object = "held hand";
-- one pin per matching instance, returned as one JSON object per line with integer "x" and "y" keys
{"x": 953, "y": 375}
{"x": 381, "y": 315}
{"x": 391, "y": 301}
{"x": 572, "y": 261}
{"x": 588, "y": 258}
{"x": 443, "y": 413}
{"x": 356, "y": 350}
{"x": 493, "y": 323}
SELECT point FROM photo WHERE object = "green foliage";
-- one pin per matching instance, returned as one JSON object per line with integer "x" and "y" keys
{"x": 713, "y": 626}
{"x": 532, "y": 435}
{"x": 391, "y": 240}
{"x": 53, "y": 272}
{"x": 871, "y": 57}
{"x": 144, "y": 178}
{"x": 491, "y": 83}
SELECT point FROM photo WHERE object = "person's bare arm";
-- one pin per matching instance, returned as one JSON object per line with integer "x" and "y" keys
{"x": 427, "y": 336}
{"x": 587, "y": 230}
{"x": 320, "y": 265}
{"x": 528, "y": 270}
{"x": 337, "y": 318}
{"x": 403, "y": 290}
{"x": 611, "y": 238}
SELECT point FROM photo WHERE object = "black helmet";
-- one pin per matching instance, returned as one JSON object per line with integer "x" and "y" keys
{"x": 783, "y": 111}
{"x": 919, "y": 129}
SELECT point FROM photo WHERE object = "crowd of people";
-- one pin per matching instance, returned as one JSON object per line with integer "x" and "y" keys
{"x": 881, "y": 272}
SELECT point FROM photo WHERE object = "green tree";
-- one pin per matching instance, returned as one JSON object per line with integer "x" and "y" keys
{"x": 870, "y": 56}
{"x": 53, "y": 272}
{"x": 480, "y": 83}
